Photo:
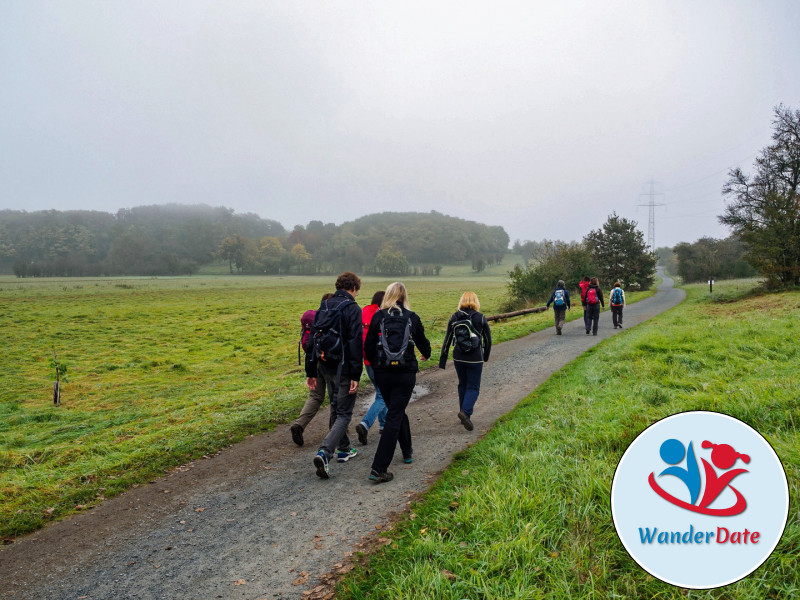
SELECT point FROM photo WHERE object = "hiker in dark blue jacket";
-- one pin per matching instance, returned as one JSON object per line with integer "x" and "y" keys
{"x": 342, "y": 372}
{"x": 561, "y": 304}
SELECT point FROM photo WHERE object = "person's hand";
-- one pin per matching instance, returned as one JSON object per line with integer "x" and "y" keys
{"x": 547, "y": 308}
{"x": 353, "y": 386}
{"x": 423, "y": 358}
{"x": 311, "y": 383}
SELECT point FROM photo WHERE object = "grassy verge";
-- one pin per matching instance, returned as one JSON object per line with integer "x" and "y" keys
{"x": 525, "y": 512}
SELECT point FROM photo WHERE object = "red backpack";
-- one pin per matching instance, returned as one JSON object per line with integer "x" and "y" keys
{"x": 306, "y": 322}
{"x": 591, "y": 296}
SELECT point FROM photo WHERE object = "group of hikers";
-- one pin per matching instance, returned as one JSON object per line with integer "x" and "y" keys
{"x": 340, "y": 337}
{"x": 340, "y": 340}
{"x": 591, "y": 300}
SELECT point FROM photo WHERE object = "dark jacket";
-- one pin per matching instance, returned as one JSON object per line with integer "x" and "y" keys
{"x": 481, "y": 327}
{"x": 417, "y": 336}
{"x": 566, "y": 299}
{"x": 599, "y": 294}
{"x": 353, "y": 361}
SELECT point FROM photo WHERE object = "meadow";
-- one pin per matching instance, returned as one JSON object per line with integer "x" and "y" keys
{"x": 525, "y": 512}
{"x": 162, "y": 371}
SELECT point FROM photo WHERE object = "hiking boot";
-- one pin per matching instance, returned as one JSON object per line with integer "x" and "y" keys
{"x": 464, "y": 417}
{"x": 321, "y": 463}
{"x": 558, "y": 332}
{"x": 587, "y": 332}
{"x": 345, "y": 455}
{"x": 408, "y": 459}
{"x": 361, "y": 430}
{"x": 380, "y": 477}
{"x": 297, "y": 434}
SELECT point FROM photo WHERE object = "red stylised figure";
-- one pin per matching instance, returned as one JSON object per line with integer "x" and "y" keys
{"x": 724, "y": 457}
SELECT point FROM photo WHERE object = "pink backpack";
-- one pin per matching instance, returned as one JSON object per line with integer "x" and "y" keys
{"x": 306, "y": 322}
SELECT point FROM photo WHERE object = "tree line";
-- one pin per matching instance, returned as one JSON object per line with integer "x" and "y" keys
{"x": 177, "y": 239}
{"x": 387, "y": 243}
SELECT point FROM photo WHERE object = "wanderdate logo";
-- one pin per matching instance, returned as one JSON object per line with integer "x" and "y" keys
{"x": 723, "y": 457}
{"x": 699, "y": 500}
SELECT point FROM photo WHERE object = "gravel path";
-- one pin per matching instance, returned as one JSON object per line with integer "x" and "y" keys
{"x": 254, "y": 521}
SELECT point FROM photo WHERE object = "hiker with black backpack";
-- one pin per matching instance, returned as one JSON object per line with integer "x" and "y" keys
{"x": 617, "y": 301}
{"x": 468, "y": 332}
{"x": 594, "y": 300}
{"x": 314, "y": 381}
{"x": 561, "y": 304}
{"x": 389, "y": 346}
{"x": 337, "y": 350}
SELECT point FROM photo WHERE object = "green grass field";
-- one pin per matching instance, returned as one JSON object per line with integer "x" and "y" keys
{"x": 525, "y": 513}
{"x": 162, "y": 371}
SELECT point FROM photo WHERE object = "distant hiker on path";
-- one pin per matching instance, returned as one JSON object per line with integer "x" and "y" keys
{"x": 338, "y": 349}
{"x": 617, "y": 301}
{"x": 584, "y": 284}
{"x": 561, "y": 304}
{"x": 377, "y": 409}
{"x": 468, "y": 332}
{"x": 314, "y": 381}
{"x": 594, "y": 300}
{"x": 389, "y": 347}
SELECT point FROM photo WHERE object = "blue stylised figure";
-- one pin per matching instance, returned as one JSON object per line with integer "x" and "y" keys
{"x": 672, "y": 452}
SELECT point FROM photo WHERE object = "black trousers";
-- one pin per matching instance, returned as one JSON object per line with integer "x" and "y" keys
{"x": 396, "y": 390}
{"x": 616, "y": 315}
{"x": 593, "y": 317}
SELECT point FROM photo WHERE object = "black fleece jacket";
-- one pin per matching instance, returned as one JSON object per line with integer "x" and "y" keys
{"x": 417, "y": 336}
{"x": 352, "y": 335}
{"x": 481, "y": 327}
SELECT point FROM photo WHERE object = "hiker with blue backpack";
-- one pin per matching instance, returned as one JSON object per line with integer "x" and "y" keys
{"x": 337, "y": 350}
{"x": 314, "y": 381}
{"x": 393, "y": 334}
{"x": 468, "y": 332}
{"x": 617, "y": 301}
{"x": 561, "y": 304}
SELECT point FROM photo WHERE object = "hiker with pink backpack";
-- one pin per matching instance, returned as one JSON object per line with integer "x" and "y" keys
{"x": 316, "y": 392}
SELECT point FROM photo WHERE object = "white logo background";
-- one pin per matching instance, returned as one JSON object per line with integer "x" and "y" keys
{"x": 635, "y": 505}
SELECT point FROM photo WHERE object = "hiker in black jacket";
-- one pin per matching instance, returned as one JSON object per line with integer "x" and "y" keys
{"x": 395, "y": 375}
{"x": 341, "y": 367}
{"x": 594, "y": 300}
{"x": 471, "y": 348}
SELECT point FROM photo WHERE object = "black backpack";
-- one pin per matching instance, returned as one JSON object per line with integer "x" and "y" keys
{"x": 465, "y": 335}
{"x": 326, "y": 333}
{"x": 395, "y": 347}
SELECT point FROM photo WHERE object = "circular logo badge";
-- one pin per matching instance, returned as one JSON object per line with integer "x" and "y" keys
{"x": 699, "y": 500}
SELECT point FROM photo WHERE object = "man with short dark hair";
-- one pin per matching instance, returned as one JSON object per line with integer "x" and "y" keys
{"x": 343, "y": 373}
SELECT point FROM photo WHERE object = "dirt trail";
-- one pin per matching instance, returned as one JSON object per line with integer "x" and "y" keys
{"x": 249, "y": 521}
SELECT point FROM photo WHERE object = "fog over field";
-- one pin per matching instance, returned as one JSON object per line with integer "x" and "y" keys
{"x": 542, "y": 118}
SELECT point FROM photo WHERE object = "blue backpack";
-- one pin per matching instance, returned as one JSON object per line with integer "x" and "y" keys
{"x": 558, "y": 297}
{"x": 616, "y": 297}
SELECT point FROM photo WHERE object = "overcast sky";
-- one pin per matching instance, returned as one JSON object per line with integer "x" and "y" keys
{"x": 542, "y": 117}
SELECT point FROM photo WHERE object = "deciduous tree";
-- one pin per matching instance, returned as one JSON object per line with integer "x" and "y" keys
{"x": 764, "y": 208}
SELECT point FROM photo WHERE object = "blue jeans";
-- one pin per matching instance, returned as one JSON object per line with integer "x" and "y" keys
{"x": 469, "y": 384}
{"x": 377, "y": 409}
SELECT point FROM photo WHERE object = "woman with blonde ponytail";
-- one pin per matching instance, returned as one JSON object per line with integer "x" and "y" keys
{"x": 389, "y": 346}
